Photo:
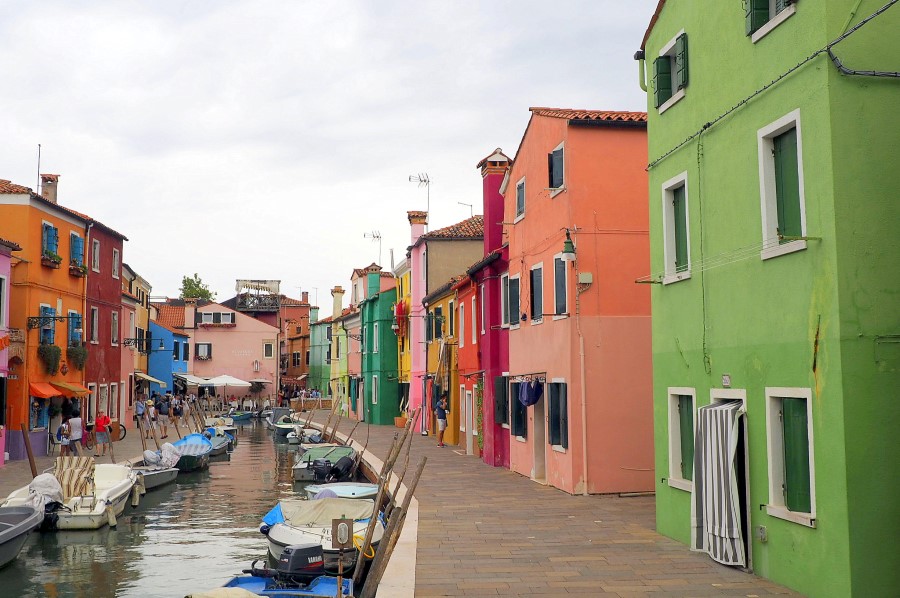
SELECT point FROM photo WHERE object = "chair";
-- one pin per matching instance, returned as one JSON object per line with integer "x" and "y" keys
{"x": 53, "y": 444}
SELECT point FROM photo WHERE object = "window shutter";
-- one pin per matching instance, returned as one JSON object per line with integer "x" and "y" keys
{"x": 787, "y": 184}
{"x": 556, "y": 168}
{"x": 187, "y": 351}
{"x": 54, "y": 239}
{"x": 781, "y": 5}
{"x": 559, "y": 282}
{"x": 514, "y": 313}
{"x": 681, "y": 61}
{"x": 796, "y": 455}
{"x": 45, "y": 237}
{"x": 429, "y": 326}
{"x": 564, "y": 415}
{"x": 501, "y": 400}
{"x": 554, "y": 415}
{"x": 209, "y": 350}
{"x": 686, "y": 433}
{"x": 515, "y": 427}
{"x": 757, "y": 12}
{"x": 681, "y": 240}
{"x": 438, "y": 322}
{"x": 662, "y": 79}
{"x": 520, "y": 199}
{"x": 176, "y": 350}
{"x": 537, "y": 294}
{"x": 217, "y": 317}
{"x": 198, "y": 316}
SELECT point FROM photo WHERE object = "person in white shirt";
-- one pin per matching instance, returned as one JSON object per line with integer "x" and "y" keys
{"x": 76, "y": 424}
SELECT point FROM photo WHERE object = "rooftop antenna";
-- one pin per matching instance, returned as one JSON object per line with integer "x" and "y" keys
{"x": 392, "y": 258}
{"x": 375, "y": 236}
{"x": 424, "y": 181}
{"x": 471, "y": 209}
{"x": 38, "y": 186}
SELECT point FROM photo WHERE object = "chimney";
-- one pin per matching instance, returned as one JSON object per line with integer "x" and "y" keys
{"x": 190, "y": 311}
{"x": 417, "y": 223}
{"x": 304, "y": 297}
{"x": 493, "y": 171}
{"x": 48, "y": 186}
{"x": 338, "y": 302}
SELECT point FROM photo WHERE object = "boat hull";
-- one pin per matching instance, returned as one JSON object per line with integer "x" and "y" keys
{"x": 15, "y": 525}
{"x": 188, "y": 463}
{"x": 321, "y": 587}
{"x": 155, "y": 477}
{"x": 282, "y": 535}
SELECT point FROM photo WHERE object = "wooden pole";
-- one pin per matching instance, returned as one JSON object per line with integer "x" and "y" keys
{"x": 28, "y": 450}
{"x": 112, "y": 452}
{"x": 153, "y": 433}
{"x": 140, "y": 431}
{"x": 349, "y": 436}
{"x": 337, "y": 422}
{"x": 175, "y": 419}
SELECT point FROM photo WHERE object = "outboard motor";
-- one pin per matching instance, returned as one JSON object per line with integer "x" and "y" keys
{"x": 321, "y": 469}
{"x": 301, "y": 563}
{"x": 340, "y": 472}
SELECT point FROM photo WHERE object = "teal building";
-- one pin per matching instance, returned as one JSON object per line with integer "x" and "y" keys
{"x": 381, "y": 387}
{"x": 319, "y": 353}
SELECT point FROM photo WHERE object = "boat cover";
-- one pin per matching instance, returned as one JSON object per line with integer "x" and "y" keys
{"x": 44, "y": 489}
{"x": 318, "y": 512}
{"x": 332, "y": 453}
{"x": 193, "y": 445}
{"x": 167, "y": 456}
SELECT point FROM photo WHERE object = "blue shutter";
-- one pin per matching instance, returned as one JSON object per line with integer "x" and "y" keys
{"x": 45, "y": 237}
{"x": 77, "y": 252}
{"x": 54, "y": 239}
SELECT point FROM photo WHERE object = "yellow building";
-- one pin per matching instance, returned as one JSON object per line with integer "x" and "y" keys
{"x": 404, "y": 361}
{"x": 441, "y": 358}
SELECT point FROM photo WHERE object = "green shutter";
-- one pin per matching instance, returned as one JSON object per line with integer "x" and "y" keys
{"x": 795, "y": 427}
{"x": 556, "y": 169}
{"x": 429, "y": 326}
{"x": 514, "y": 312}
{"x": 553, "y": 439}
{"x": 501, "y": 400}
{"x": 520, "y": 199}
{"x": 781, "y": 5}
{"x": 559, "y": 285}
{"x": 353, "y": 392}
{"x": 563, "y": 415}
{"x": 662, "y": 79}
{"x": 519, "y": 425}
{"x": 686, "y": 433}
{"x": 681, "y": 240}
{"x": 787, "y": 184}
{"x": 537, "y": 294}
{"x": 757, "y": 13}
{"x": 681, "y": 61}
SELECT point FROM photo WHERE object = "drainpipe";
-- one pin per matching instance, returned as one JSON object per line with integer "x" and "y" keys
{"x": 639, "y": 56}
{"x": 584, "y": 447}
{"x": 84, "y": 252}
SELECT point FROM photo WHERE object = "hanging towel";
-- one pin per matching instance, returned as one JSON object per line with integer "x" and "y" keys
{"x": 715, "y": 504}
{"x": 530, "y": 392}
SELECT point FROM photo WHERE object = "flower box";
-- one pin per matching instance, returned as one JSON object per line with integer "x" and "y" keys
{"x": 77, "y": 270}
{"x": 49, "y": 262}
{"x": 216, "y": 325}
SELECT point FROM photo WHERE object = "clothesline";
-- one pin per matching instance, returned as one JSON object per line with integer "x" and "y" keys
{"x": 532, "y": 377}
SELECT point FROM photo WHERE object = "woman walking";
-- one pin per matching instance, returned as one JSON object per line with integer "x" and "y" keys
{"x": 101, "y": 429}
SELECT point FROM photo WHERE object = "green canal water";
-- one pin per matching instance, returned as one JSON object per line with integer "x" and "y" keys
{"x": 187, "y": 536}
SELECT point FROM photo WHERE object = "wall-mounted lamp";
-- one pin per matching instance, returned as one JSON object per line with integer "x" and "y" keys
{"x": 568, "y": 252}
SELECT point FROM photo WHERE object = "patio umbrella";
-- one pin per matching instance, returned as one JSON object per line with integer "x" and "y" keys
{"x": 225, "y": 381}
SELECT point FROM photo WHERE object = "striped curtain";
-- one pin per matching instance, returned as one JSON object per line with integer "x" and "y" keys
{"x": 715, "y": 505}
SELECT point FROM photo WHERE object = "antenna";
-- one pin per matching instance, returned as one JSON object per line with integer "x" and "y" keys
{"x": 471, "y": 209}
{"x": 392, "y": 258}
{"x": 375, "y": 236}
{"x": 38, "y": 186}
{"x": 424, "y": 181}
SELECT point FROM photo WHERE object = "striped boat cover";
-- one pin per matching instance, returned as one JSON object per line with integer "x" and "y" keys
{"x": 75, "y": 475}
{"x": 715, "y": 510}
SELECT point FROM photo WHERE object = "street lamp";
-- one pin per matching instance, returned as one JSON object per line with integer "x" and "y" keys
{"x": 424, "y": 181}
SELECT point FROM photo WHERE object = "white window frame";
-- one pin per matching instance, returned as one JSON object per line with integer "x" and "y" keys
{"x": 540, "y": 317}
{"x": 559, "y": 256}
{"x": 95, "y": 255}
{"x": 462, "y": 407}
{"x": 461, "y": 324}
{"x": 87, "y": 411}
{"x": 201, "y": 355}
{"x": 504, "y": 300}
{"x": 768, "y": 198}
{"x": 229, "y": 316}
{"x": 206, "y": 317}
{"x": 481, "y": 306}
{"x": 675, "y": 480}
{"x": 775, "y": 449}
{"x": 678, "y": 94}
{"x": 518, "y": 216}
{"x": 270, "y": 345}
{"x": 375, "y": 390}
{"x": 668, "y": 222}
{"x": 114, "y": 328}
{"x": 554, "y": 191}
{"x": 112, "y": 409}
{"x": 375, "y": 337}
{"x": 774, "y": 21}
{"x": 116, "y": 261}
{"x": 474, "y": 322}
{"x": 95, "y": 325}
{"x": 4, "y": 299}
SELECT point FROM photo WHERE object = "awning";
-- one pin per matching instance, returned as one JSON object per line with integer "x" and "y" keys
{"x": 70, "y": 389}
{"x": 42, "y": 390}
{"x": 144, "y": 376}
{"x": 190, "y": 379}
{"x": 260, "y": 381}
{"x": 226, "y": 380}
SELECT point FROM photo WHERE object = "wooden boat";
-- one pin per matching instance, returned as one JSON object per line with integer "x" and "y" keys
{"x": 284, "y": 425}
{"x": 15, "y": 525}
{"x": 303, "y": 467}
{"x": 294, "y": 521}
{"x": 240, "y": 416}
{"x": 194, "y": 450}
{"x": 91, "y": 495}
{"x": 154, "y": 476}
{"x": 343, "y": 490}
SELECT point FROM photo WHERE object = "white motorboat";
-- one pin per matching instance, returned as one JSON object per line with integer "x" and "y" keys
{"x": 304, "y": 467}
{"x": 295, "y": 521}
{"x": 15, "y": 525}
{"x": 355, "y": 490}
{"x": 154, "y": 476}
{"x": 91, "y": 495}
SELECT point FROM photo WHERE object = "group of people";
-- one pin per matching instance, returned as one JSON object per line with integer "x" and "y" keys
{"x": 159, "y": 411}
{"x": 72, "y": 434}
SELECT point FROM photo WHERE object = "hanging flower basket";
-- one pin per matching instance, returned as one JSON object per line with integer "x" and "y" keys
{"x": 77, "y": 354}
{"x": 50, "y": 355}
{"x": 78, "y": 270}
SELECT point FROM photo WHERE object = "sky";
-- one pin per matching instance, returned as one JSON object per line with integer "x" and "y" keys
{"x": 271, "y": 139}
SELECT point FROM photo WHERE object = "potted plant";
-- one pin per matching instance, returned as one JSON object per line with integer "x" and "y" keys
{"x": 50, "y": 355}
{"x": 51, "y": 258}
{"x": 77, "y": 354}
{"x": 77, "y": 269}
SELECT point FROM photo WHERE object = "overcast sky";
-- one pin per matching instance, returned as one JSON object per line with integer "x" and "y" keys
{"x": 255, "y": 139}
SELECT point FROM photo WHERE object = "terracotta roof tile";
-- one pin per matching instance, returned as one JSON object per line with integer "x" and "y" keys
{"x": 11, "y": 245}
{"x": 606, "y": 115}
{"x": 171, "y": 329}
{"x": 471, "y": 228}
{"x": 170, "y": 316}
{"x": 10, "y": 188}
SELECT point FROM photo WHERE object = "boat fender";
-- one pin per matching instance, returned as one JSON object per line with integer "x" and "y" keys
{"x": 264, "y": 529}
{"x": 136, "y": 493}
{"x": 110, "y": 515}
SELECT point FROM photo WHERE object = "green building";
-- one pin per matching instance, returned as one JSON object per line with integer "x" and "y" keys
{"x": 381, "y": 387}
{"x": 319, "y": 354}
{"x": 775, "y": 266}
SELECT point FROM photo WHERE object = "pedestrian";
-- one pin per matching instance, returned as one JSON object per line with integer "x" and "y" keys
{"x": 101, "y": 429}
{"x": 440, "y": 411}
{"x": 152, "y": 418}
{"x": 162, "y": 414}
{"x": 62, "y": 434}
{"x": 177, "y": 409}
{"x": 76, "y": 432}
{"x": 140, "y": 416}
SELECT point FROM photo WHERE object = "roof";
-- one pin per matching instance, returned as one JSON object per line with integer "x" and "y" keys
{"x": 488, "y": 259}
{"x": 290, "y": 301}
{"x": 442, "y": 290}
{"x": 10, "y": 245}
{"x": 170, "y": 316}
{"x": 373, "y": 267}
{"x": 653, "y": 20}
{"x": 598, "y": 115}
{"x": 170, "y": 328}
{"x": 496, "y": 156}
{"x": 470, "y": 228}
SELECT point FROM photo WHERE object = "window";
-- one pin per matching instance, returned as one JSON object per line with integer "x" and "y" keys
{"x": 792, "y": 489}
{"x": 375, "y": 337}
{"x": 676, "y": 247}
{"x": 3, "y": 316}
{"x": 559, "y": 415}
{"x": 438, "y": 322}
{"x": 474, "y": 336}
{"x": 49, "y": 239}
{"x": 131, "y": 324}
{"x": 520, "y": 199}
{"x": 48, "y": 330}
{"x": 781, "y": 186}
{"x": 462, "y": 325}
{"x": 481, "y": 306}
{"x": 115, "y": 263}
{"x": 295, "y": 358}
{"x": 555, "y": 170}
{"x": 374, "y": 390}
{"x": 764, "y": 15}
{"x": 670, "y": 72}
{"x": 537, "y": 293}
{"x": 203, "y": 351}
{"x": 95, "y": 325}
{"x": 451, "y": 309}
{"x": 560, "y": 287}
{"x": 514, "y": 301}
{"x": 682, "y": 423}
{"x": 113, "y": 401}
{"x": 227, "y": 317}
{"x": 501, "y": 400}
{"x": 186, "y": 352}
{"x": 307, "y": 357}
{"x": 76, "y": 250}
{"x": 95, "y": 255}
{"x": 114, "y": 328}
{"x": 207, "y": 317}
{"x": 74, "y": 328}
{"x": 518, "y": 412}
{"x": 176, "y": 350}
{"x": 504, "y": 299}
{"x": 269, "y": 350}
{"x": 337, "y": 347}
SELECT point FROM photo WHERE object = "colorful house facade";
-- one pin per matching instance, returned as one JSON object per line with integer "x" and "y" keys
{"x": 136, "y": 297}
{"x": 337, "y": 374}
{"x": 580, "y": 409}
{"x": 320, "y": 354}
{"x": 441, "y": 373}
{"x": 402, "y": 323}
{"x": 380, "y": 390}
{"x": 772, "y": 220}
{"x": 469, "y": 385}
{"x": 168, "y": 354}
{"x": 6, "y": 250}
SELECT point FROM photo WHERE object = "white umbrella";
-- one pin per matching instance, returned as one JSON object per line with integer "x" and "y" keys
{"x": 226, "y": 380}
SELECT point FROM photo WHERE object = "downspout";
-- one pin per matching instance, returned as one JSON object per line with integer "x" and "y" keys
{"x": 87, "y": 243}
{"x": 583, "y": 379}
{"x": 639, "y": 56}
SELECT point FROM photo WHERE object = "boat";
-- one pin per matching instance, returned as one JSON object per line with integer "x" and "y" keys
{"x": 294, "y": 521}
{"x": 294, "y": 438}
{"x": 194, "y": 450}
{"x": 284, "y": 425}
{"x": 220, "y": 441}
{"x": 343, "y": 490}
{"x": 153, "y": 476}
{"x": 304, "y": 466}
{"x": 15, "y": 525}
{"x": 240, "y": 416}
{"x": 219, "y": 421}
{"x": 88, "y": 495}
{"x": 275, "y": 415}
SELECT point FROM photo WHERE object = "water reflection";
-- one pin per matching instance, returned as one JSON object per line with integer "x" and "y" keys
{"x": 190, "y": 535}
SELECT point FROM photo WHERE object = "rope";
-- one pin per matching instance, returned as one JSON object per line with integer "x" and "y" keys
{"x": 358, "y": 542}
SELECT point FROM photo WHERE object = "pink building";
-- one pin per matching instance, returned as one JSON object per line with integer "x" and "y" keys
{"x": 580, "y": 386}
{"x": 6, "y": 249}
{"x": 417, "y": 223}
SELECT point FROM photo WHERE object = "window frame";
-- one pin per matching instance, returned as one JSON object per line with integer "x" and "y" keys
{"x": 520, "y": 214}
{"x": 375, "y": 337}
{"x": 537, "y": 311}
{"x": 203, "y": 355}
{"x": 775, "y": 19}
{"x": 375, "y": 389}
{"x": 558, "y": 258}
{"x": 461, "y": 322}
{"x": 504, "y": 300}
{"x": 775, "y": 455}
{"x": 501, "y": 404}
{"x": 554, "y": 191}
{"x": 563, "y": 414}
{"x": 95, "y": 255}
{"x": 114, "y": 328}
{"x": 670, "y": 271}
{"x": 46, "y": 241}
{"x": 677, "y": 95}
{"x": 518, "y": 280}
{"x": 768, "y": 196}
{"x": 116, "y": 262}
{"x": 481, "y": 307}
{"x": 474, "y": 322}
{"x": 517, "y": 425}
{"x": 72, "y": 236}
{"x": 675, "y": 479}
{"x": 95, "y": 325}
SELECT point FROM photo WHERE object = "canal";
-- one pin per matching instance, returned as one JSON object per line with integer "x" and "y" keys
{"x": 191, "y": 535}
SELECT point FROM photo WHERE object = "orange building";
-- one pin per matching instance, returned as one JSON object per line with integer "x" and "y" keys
{"x": 46, "y": 316}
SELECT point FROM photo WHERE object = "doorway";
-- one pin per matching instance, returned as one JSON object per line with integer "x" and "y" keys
{"x": 470, "y": 424}
{"x": 539, "y": 443}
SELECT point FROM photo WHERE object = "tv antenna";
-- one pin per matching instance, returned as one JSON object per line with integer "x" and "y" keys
{"x": 423, "y": 180}
{"x": 471, "y": 209}
{"x": 375, "y": 236}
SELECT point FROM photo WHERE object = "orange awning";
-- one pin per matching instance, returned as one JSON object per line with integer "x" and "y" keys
{"x": 70, "y": 389}
{"x": 4, "y": 342}
{"x": 42, "y": 390}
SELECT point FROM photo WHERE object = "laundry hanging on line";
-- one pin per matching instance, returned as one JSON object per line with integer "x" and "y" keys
{"x": 530, "y": 392}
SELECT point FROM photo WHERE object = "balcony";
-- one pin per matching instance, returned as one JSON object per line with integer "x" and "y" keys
{"x": 258, "y": 302}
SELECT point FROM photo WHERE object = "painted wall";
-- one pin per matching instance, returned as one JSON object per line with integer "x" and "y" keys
{"x": 443, "y": 378}
{"x": 469, "y": 368}
{"x": 402, "y": 273}
{"x": 126, "y": 365}
{"x": 765, "y": 322}
{"x": 380, "y": 369}
{"x": 416, "y": 347}
{"x": 162, "y": 362}
{"x": 319, "y": 368}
